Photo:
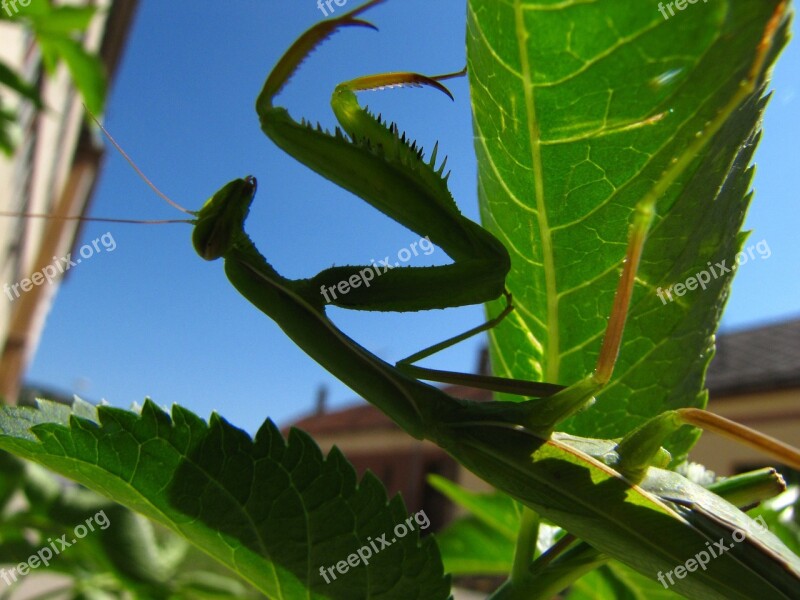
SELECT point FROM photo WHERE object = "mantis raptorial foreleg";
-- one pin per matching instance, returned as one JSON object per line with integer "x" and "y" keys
{"x": 374, "y": 161}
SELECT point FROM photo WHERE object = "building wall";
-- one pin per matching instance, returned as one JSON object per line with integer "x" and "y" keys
{"x": 13, "y": 43}
{"x": 52, "y": 172}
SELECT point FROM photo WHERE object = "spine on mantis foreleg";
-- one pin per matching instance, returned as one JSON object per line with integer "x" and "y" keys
{"x": 374, "y": 161}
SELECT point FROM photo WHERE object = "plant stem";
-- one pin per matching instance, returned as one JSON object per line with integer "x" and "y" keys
{"x": 525, "y": 551}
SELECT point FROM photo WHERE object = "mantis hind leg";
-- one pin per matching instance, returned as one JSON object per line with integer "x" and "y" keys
{"x": 480, "y": 381}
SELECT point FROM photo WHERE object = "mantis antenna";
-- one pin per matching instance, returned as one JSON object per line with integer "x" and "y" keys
{"x": 139, "y": 172}
{"x": 97, "y": 219}
{"x": 136, "y": 168}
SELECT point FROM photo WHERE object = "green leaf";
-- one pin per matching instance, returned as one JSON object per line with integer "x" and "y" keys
{"x": 11, "y": 470}
{"x": 86, "y": 69}
{"x": 58, "y": 30}
{"x": 7, "y": 122}
{"x": 34, "y": 9}
{"x": 202, "y": 584}
{"x": 781, "y": 517}
{"x": 498, "y": 511}
{"x": 470, "y": 547}
{"x": 64, "y": 19}
{"x": 615, "y": 581}
{"x": 579, "y": 109}
{"x": 11, "y": 79}
{"x": 125, "y": 556}
{"x": 273, "y": 512}
{"x": 483, "y": 542}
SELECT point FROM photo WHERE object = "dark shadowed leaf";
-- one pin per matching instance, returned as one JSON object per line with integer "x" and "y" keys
{"x": 272, "y": 511}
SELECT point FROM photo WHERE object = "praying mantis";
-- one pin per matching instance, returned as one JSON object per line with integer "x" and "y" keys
{"x": 615, "y": 496}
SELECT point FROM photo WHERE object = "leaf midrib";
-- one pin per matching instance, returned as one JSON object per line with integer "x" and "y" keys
{"x": 551, "y": 359}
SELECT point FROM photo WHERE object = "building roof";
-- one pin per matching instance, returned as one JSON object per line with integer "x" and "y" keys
{"x": 365, "y": 417}
{"x": 761, "y": 358}
{"x": 361, "y": 417}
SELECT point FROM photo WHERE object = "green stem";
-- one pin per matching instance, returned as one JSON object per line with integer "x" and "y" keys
{"x": 525, "y": 551}
{"x": 554, "y": 571}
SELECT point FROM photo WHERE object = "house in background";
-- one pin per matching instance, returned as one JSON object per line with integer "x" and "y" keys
{"x": 53, "y": 171}
{"x": 754, "y": 379}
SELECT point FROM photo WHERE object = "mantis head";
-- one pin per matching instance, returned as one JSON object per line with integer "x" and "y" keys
{"x": 222, "y": 217}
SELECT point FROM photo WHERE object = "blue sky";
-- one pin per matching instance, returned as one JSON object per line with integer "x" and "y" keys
{"x": 152, "y": 319}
